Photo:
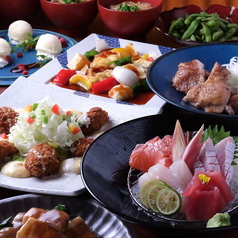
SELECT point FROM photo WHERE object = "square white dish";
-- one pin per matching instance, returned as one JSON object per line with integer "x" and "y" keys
{"x": 46, "y": 73}
{"x": 25, "y": 91}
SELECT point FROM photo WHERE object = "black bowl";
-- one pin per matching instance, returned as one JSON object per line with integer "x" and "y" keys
{"x": 105, "y": 166}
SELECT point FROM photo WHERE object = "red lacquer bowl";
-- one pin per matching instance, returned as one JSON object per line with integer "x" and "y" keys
{"x": 129, "y": 24}
{"x": 70, "y": 19}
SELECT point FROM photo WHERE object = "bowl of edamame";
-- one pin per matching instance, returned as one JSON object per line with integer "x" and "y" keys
{"x": 190, "y": 25}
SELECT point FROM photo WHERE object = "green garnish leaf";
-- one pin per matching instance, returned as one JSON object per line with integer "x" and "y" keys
{"x": 215, "y": 134}
{"x": 71, "y": 1}
{"x": 27, "y": 45}
{"x": 126, "y": 8}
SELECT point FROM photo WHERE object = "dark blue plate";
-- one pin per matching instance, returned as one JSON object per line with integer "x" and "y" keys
{"x": 162, "y": 70}
{"x": 6, "y": 77}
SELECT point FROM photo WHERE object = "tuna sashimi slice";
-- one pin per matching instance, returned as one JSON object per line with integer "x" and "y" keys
{"x": 192, "y": 150}
{"x": 152, "y": 152}
{"x": 213, "y": 194}
{"x": 199, "y": 205}
{"x": 216, "y": 180}
{"x": 225, "y": 153}
{"x": 208, "y": 157}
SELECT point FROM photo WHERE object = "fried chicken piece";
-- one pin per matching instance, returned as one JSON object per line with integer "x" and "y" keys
{"x": 8, "y": 118}
{"x": 7, "y": 149}
{"x": 188, "y": 75}
{"x": 98, "y": 118}
{"x": 80, "y": 146}
{"x": 42, "y": 160}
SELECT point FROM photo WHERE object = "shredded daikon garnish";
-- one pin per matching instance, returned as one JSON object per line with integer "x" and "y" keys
{"x": 233, "y": 78}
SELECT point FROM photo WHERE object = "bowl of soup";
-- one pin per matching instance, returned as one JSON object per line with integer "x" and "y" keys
{"x": 129, "y": 19}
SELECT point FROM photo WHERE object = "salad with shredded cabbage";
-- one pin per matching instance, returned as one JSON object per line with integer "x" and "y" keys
{"x": 46, "y": 122}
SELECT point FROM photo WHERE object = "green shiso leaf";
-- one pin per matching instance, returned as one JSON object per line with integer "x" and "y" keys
{"x": 215, "y": 134}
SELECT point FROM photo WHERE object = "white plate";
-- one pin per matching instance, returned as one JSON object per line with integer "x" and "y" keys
{"x": 25, "y": 91}
{"x": 99, "y": 219}
{"x": 46, "y": 73}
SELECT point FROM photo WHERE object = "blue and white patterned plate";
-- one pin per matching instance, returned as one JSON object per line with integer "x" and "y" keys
{"x": 46, "y": 73}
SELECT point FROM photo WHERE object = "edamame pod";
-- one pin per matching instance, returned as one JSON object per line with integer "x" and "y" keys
{"x": 193, "y": 26}
{"x": 207, "y": 33}
{"x": 217, "y": 35}
{"x": 230, "y": 33}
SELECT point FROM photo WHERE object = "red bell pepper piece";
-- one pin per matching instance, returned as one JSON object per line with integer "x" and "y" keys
{"x": 63, "y": 76}
{"x": 104, "y": 85}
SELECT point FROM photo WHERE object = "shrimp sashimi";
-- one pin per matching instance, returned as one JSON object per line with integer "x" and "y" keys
{"x": 225, "y": 153}
{"x": 152, "y": 152}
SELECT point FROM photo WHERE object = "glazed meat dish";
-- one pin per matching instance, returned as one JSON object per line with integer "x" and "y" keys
{"x": 54, "y": 223}
{"x": 208, "y": 91}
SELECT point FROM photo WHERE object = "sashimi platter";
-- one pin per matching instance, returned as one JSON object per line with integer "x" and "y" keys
{"x": 177, "y": 171}
{"x": 181, "y": 173}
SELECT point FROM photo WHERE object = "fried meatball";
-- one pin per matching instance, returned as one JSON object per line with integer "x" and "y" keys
{"x": 7, "y": 149}
{"x": 42, "y": 160}
{"x": 98, "y": 118}
{"x": 80, "y": 146}
{"x": 8, "y": 118}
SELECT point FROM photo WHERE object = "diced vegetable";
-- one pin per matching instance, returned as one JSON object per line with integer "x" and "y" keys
{"x": 141, "y": 87}
{"x": 56, "y": 109}
{"x": 122, "y": 61}
{"x": 82, "y": 80}
{"x": 104, "y": 85}
{"x": 30, "y": 120}
{"x": 90, "y": 54}
{"x": 62, "y": 78}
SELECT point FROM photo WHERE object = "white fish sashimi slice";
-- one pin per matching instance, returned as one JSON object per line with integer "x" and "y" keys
{"x": 182, "y": 171}
{"x": 198, "y": 166}
{"x": 159, "y": 171}
{"x": 208, "y": 156}
{"x": 225, "y": 153}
